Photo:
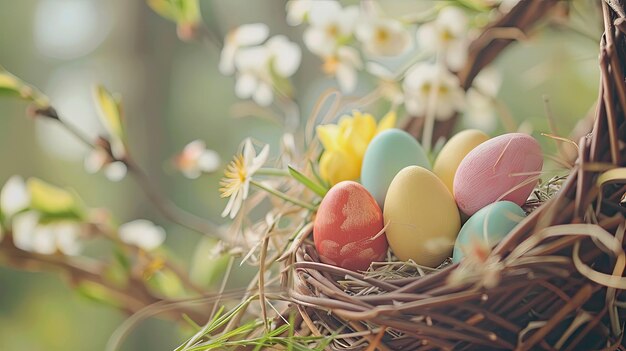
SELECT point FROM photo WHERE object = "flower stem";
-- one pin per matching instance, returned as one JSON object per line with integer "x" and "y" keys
{"x": 283, "y": 196}
{"x": 272, "y": 172}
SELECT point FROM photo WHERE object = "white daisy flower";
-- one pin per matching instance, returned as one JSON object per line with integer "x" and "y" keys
{"x": 418, "y": 85}
{"x": 46, "y": 238}
{"x": 383, "y": 36}
{"x": 237, "y": 176}
{"x": 142, "y": 233}
{"x": 330, "y": 24}
{"x": 14, "y": 196}
{"x": 242, "y": 36}
{"x": 447, "y": 35}
{"x": 196, "y": 159}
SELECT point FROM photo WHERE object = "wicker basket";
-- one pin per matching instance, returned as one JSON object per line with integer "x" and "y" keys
{"x": 554, "y": 283}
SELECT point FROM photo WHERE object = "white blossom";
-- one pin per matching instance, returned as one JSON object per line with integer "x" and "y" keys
{"x": 142, "y": 233}
{"x": 383, "y": 36}
{"x": 284, "y": 55}
{"x": 387, "y": 82}
{"x": 344, "y": 65}
{"x": 418, "y": 87}
{"x": 480, "y": 110}
{"x": 446, "y": 36}
{"x": 242, "y": 36}
{"x": 29, "y": 234}
{"x": 196, "y": 159}
{"x": 14, "y": 196}
{"x": 297, "y": 11}
{"x": 330, "y": 25}
{"x": 99, "y": 160}
{"x": 256, "y": 64}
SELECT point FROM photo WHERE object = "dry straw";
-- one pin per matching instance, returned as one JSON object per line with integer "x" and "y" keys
{"x": 556, "y": 282}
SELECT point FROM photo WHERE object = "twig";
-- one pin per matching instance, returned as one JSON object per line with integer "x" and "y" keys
{"x": 162, "y": 203}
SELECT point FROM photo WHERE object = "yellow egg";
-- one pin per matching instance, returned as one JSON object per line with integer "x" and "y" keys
{"x": 421, "y": 217}
{"x": 453, "y": 153}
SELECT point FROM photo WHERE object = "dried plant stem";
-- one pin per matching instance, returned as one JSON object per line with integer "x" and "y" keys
{"x": 283, "y": 196}
{"x": 132, "y": 298}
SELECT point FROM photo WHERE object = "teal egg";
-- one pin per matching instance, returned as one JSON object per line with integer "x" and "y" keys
{"x": 388, "y": 153}
{"x": 491, "y": 224}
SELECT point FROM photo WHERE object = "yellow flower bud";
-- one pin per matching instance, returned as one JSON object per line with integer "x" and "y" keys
{"x": 345, "y": 144}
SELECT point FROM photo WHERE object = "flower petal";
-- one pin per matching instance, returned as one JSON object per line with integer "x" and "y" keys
{"x": 67, "y": 238}
{"x": 328, "y": 134}
{"x": 337, "y": 166}
{"x": 245, "y": 86}
{"x": 229, "y": 205}
{"x": 387, "y": 122}
{"x": 44, "y": 241}
{"x": 142, "y": 233}
{"x": 346, "y": 77}
{"x": 250, "y": 34}
{"x": 115, "y": 171}
{"x": 286, "y": 55}
{"x": 236, "y": 204}
{"x": 259, "y": 160}
{"x": 263, "y": 95}
{"x": 227, "y": 59}
{"x": 14, "y": 196}
{"x": 23, "y": 226}
{"x": 209, "y": 161}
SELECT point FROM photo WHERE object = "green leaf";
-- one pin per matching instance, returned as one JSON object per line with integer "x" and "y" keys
{"x": 11, "y": 85}
{"x": 167, "y": 283}
{"x": 52, "y": 201}
{"x": 110, "y": 111}
{"x": 96, "y": 292}
{"x": 308, "y": 182}
{"x": 179, "y": 11}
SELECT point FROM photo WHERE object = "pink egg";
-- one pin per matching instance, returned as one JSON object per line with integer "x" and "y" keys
{"x": 346, "y": 225}
{"x": 503, "y": 168}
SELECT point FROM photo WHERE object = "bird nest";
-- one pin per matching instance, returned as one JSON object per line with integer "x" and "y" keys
{"x": 555, "y": 282}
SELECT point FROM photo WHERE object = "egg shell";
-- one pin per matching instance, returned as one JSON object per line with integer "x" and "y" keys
{"x": 421, "y": 217}
{"x": 503, "y": 168}
{"x": 454, "y": 151}
{"x": 489, "y": 225}
{"x": 386, "y": 155}
{"x": 347, "y": 220}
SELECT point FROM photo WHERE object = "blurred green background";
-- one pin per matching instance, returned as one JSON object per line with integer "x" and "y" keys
{"x": 173, "y": 94}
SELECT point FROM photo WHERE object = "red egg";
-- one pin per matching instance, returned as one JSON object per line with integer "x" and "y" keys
{"x": 346, "y": 226}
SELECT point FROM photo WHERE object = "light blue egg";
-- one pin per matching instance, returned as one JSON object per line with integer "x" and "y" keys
{"x": 388, "y": 153}
{"x": 490, "y": 224}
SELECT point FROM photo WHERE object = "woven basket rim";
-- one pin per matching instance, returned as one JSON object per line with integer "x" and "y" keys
{"x": 542, "y": 296}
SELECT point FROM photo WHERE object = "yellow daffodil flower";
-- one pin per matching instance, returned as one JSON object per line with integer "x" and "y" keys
{"x": 345, "y": 144}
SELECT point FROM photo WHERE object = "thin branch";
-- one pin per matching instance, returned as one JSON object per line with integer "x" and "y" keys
{"x": 170, "y": 210}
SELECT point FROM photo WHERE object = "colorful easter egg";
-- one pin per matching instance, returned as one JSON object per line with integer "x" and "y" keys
{"x": 386, "y": 155}
{"x": 421, "y": 217}
{"x": 506, "y": 167}
{"x": 454, "y": 151}
{"x": 487, "y": 227}
{"x": 346, "y": 228}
